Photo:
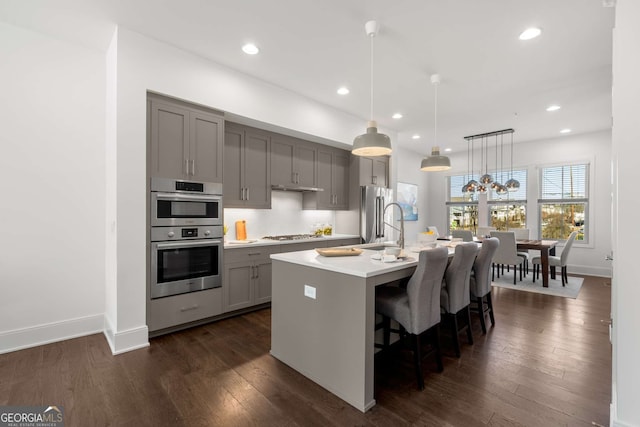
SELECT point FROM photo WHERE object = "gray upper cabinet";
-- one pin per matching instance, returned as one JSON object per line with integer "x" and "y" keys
{"x": 185, "y": 142}
{"x": 373, "y": 170}
{"x": 247, "y": 171}
{"x": 293, "y": 162}
{"x": 333, "y": 177}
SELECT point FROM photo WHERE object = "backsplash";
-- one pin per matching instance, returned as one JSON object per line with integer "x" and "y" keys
{"x": 285, "y": 217}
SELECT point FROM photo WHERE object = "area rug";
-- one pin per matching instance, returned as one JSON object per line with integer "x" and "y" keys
{"x": 570, "y": 290}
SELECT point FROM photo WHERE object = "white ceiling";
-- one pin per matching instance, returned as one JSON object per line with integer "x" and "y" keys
{"x": 490, "y": 79}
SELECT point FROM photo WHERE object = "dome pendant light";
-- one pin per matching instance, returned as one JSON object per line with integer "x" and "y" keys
{"x": 371, "y": 143}
{"x": 435, "y": 162}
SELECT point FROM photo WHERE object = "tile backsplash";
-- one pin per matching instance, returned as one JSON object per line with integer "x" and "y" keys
{"x": 285, "y": 217}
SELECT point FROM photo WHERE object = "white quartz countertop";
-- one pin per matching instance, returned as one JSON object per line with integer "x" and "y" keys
{"x": 268, "y": 242}
{"x": 360, "y": 265}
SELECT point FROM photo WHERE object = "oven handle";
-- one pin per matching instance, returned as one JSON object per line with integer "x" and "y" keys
{"x": 190, "y": 244}
{"x": 178, "y": 196}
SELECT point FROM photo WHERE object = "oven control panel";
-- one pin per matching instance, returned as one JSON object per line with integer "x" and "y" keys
{"x": 163, "y": 234}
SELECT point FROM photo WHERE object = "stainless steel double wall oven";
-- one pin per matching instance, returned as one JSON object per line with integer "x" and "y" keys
{"x": 186, "y": 236}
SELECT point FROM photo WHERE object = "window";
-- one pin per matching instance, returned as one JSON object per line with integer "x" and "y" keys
{"x": 509, "y": 210}
{"x": 564, "y": 201}
{"x": 462, "y": 209}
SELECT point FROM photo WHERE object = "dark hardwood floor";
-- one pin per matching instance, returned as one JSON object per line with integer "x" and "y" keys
{"x": 547, "y": 362}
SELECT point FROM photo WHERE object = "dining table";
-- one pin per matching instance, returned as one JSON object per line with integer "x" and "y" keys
{"x": 546, "y": 248}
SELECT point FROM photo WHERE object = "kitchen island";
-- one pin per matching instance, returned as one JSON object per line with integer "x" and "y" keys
{"x": 323, "y": 318}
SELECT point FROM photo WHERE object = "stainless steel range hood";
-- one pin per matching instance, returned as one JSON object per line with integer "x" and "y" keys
{"x": 293, "y": 187}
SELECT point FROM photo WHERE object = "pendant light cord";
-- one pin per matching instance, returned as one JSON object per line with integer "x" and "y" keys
{"x": 435, "y": 117}
{"x": 511, "y": 174}
{"x": 372, "y": 36}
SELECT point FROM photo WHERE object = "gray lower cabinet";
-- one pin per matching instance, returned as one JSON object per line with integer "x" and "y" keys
{"x": 247, "y": 167}
{"x": 181, "y": 309}
{"x": 333, "y": 177}
{"x": 185, "y": 142}
{"x": 247, "y": 276}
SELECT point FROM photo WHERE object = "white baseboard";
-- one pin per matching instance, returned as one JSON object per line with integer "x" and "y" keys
{"x": 51, "y": 332}
{"x": 124, "y": 341}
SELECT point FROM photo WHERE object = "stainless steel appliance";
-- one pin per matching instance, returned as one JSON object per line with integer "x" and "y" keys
{"x": 186, "y": 237}
{"x": 177, "y": 202}
{"x": 373, "y": 216}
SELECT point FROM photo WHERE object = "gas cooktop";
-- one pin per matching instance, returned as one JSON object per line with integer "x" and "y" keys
{"x": 292, "y": 237}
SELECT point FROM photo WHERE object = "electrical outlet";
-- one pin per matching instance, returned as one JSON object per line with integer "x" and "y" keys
{"x": 309, "y": 291}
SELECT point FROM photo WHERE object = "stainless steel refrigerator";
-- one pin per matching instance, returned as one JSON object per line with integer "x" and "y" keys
{"x": 372, "y": 216}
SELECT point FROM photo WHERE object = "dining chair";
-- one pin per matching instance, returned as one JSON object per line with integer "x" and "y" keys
{"x": 455, "y": 294}
{"x": 523, "y": 234}
{"x": 507, "y": 253}
{"x": 556, "y": 261}
{"x": 480, "y": 281}
{"x": 465, "y": 235}
{"x": 416, "y": 308}
{"x": 484, "y": 231}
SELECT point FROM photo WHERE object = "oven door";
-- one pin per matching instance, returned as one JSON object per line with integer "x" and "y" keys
{"x": 176, "y": 209}
{"x": 181, "y": 267}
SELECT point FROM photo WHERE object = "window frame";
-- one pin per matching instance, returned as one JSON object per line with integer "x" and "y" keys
{"x": 587, "y": 228}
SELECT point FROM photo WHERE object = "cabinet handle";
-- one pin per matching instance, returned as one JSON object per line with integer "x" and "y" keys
{"x": 241, "y": 193}
{"x": 193, "y": 307}
{"x": 193, "y": 167}
{"x": 185, "y": 170}
{"x": 254, "y": 253}
{"x": 257, "y": 272}
{"x": 374, "y": 179}
{"x": 297, "y": 178}
{"x": 293, "y": 177}
{"x": 247, "y": 188}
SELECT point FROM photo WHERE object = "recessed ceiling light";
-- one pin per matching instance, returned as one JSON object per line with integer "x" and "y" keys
{"x": 343, "y": 91}
{"x": 447, "y": 150}
{"x": 553, "y": 108}
{"x": 565, "y": 130}
{"x": 250, "y": 49}
{"x": 415, "y": 136}
{"x": 530, "y": 33}
{"x": 397, "y": 116}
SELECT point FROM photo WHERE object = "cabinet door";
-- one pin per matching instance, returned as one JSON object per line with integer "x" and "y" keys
{"x": 341, "y": 180}
{"x": 325, "y": 198}
{"x": 233, "y": 166}
{"x": 257, "y": 170}
{"x": 205, "y": 149}
{"x": 381, "y": 171}
{"x": 238, "y": 286}
{"x": 306, "y": 165}
{"x": 262, "y": 282}
{"x": 282, "y": 161}
{"x": 169, "y": 140}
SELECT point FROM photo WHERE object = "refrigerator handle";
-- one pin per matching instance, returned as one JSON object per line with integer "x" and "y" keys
{"x": 380, "y": 219}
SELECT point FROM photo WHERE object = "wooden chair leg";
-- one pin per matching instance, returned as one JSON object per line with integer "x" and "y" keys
{"x": 534, "y": 273}
{"x": 469, "y": 334}
{"x": 483, "y": 325}
{"x": 454, "y": 330}
{"x": 386, "y": 334}
{"x": 417, "y": 359}
{"x": 490, "y": 305}
{"x": 436, "y": 346}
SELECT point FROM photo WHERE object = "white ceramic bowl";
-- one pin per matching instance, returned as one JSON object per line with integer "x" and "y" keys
{"x": 392, "y": 250}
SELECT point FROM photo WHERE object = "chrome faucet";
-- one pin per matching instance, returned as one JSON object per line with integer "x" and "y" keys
{"x": 401, "y": 229}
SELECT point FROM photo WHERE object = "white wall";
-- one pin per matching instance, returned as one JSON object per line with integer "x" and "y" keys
{"x": 625, "y": 410}
{"x": 594, "y": 148}
{"x": 53, "y": 189}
